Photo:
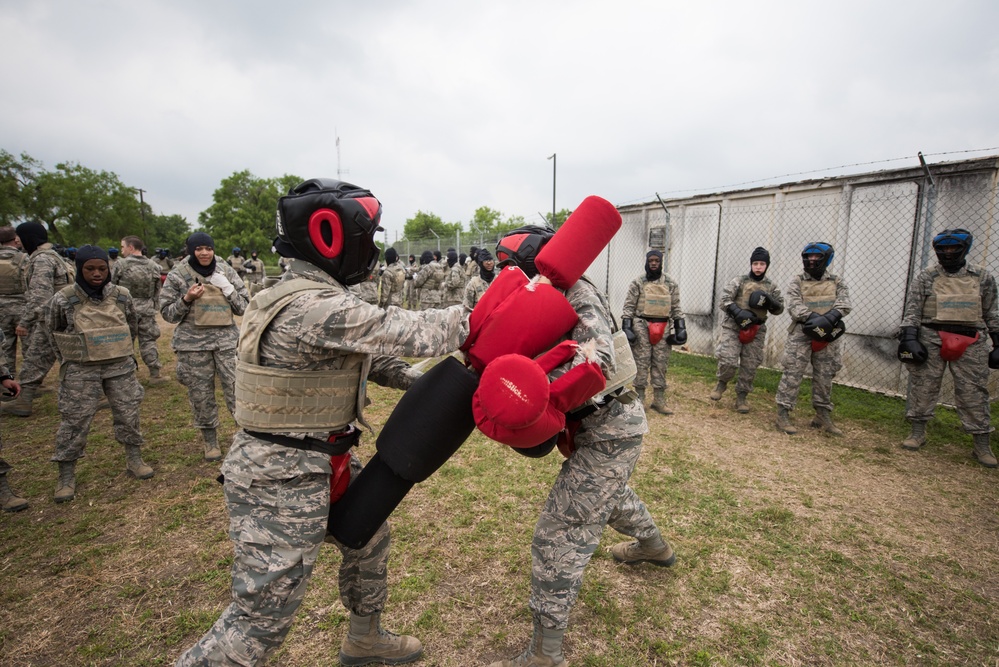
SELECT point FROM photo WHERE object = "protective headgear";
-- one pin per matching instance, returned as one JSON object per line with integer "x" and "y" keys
{"x": 331, "y": 224}
{"x": 520, "y": 246}
{"x": 437, "y": 255}
{"x": 391, "y": 256}
{"x": 452, "y": 258}
{"x": 32, "y": 235}
{"x": 163, "y": 252}
{"x": 816, "y": 267}
{"x": 426, "y": 257}
{"x": 649, "y": 273}
{"x": 412, "y": 259}
{"x": 236, "y": 250}
{"x": 951, "y": 247}
{"x": 83, "y": 255}
{"x": 112, "y": 252}
{"x": 71, "y": 252}
{"x": 760, "y": 254}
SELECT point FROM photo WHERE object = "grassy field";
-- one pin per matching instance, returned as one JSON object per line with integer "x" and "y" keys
{"x": 792, "y": 550}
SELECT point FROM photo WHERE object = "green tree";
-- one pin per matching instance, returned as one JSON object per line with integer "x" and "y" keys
{"x": 242, "y": 211}
{"x": 485, "y": 220}
{"x": 17, "y": 183}
{"x": 426, "y": 226}
{"x": 560, "y": 218}
{"x": 165, "y": 231}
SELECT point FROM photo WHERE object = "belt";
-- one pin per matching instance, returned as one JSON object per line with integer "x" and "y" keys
{"x": 337, "y": 444}
{"x": 954, "y": 329}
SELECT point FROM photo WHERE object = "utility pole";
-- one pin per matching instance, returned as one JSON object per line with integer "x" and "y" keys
{"x": 142, "y": 212}
{"x": 554, "y": 164}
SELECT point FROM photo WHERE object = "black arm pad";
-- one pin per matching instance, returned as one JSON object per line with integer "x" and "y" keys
{"x": 367, "y": 503}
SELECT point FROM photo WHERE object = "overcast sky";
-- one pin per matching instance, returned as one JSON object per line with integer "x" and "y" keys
{"x": 447, "y": 106}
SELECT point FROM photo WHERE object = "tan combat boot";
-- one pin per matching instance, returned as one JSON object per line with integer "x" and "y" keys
{"x": 545, "y": 650}
{"x": 656, "y": 551}
{"x": 659, "y": 402}
{"x": 718, "y": 391}
{"x": 983, "y": 452}
{"x": 784, "y": 421}
{"x": 20, "y": 406}
{"x": 917, "y": 437}
{"x": 212, "y": 451}
{"x": 66, "y": 486}
{"x": 367, "y": 642}
{"x": 823, "y": 420}
{"x": 155, "y": 377}
{"x": 741, "y": 404}
{"x": 10, "y": 501}
{"x": 134, "y": 463}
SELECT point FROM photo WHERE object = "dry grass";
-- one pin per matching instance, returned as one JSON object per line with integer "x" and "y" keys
{"x": 803, "y": 550}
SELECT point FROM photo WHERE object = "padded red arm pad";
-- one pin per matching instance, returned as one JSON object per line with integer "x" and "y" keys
{"x": 507, "y": 281}
{"x": 576, "y": 386}
{"x": 578, "y": 242}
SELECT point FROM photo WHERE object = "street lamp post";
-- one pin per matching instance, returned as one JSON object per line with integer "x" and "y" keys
{"x": 554, "y": 165}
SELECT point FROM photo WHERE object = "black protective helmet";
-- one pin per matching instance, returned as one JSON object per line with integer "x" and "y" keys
{"x": 520, "y": 246}
{"x": 816, "y": 267}
{"x": 952, "y": 246}
{"x": 332, "y": 224}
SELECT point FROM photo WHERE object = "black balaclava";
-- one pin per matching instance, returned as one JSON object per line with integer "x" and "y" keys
{"x": 452, "y": 258}
{"x": 412, "y": 259}
{"x": 650, "y": 275}
{"x": 391, "y": 256}
{"x": 32, "y": 235}
{"x": 193, "y": 241}
{"x": 462, "y": 258}
{"x": 760, "y": 254}
{"x": 436, "y": 255}
{"x": 82, "y": 255}
{"x": 426, "y": 257}
{"x": 481, "y": 257}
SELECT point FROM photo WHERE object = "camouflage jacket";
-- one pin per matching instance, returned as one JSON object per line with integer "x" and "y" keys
{"x": 922, "y": 287}
{"x": 139, "y": 275}
{"x": 186, "y": 336}
{"x": 47, "y": 273}
{"x": 428, "y": 280}
{"x": 60, "y": 316}
{"x": 392, "y": 283}
{"x": 796, "y": 303}
{"x": 474, "y": 290}
{"x": 636, "y": 288}
{"x": 735, "y": 286}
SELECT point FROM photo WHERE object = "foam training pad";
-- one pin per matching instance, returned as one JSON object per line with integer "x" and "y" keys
{"x": 430, "y": 422}
{"x": 368, "y": 502}
{"x": 507, "y": 281}
{"x": 578, "y": 242}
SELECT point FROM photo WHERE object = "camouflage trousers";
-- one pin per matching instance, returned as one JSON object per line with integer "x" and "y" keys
{"x": 197, "y": 371}
{"x": 149, "y": 333}
{"x": 277, "y": 528}
{"x": 734, "y": 357}
{"x": 81, "y": 389}
{"x": 649, "y": 357}
{"x": 38, "y": 356}
{"x": 971, "y": 379}
{"x": 10, "y": 314}
{"x": 591, "y": 491}
{"x": 825, "y": 364}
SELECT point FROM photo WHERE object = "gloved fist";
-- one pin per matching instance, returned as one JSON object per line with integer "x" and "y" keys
{"x": 911, "y": 351}
{"x": 679, "y": 335}
{"x": 760, "y": 299}
{"x": 823, "y": 327}
{"x": 743, "y": 318}
{"x": 222, "y": 283}
{"x": 628, "y": 331}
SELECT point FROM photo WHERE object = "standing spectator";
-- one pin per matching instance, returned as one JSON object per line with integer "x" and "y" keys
{"x": 747, "y": 300}
{"x": 949, "y": 310}
{"x": 201, "y": 296}
{"x": 454, "y": 280}
{"x": 141, "y": 277}
{"x": 428, "y": 280}
{"x": 112, "y": 257}
{"x": 472, "y": 264}
{"x": 591, "y": 490}
{"x": 367, "y": 289}
{"x": 393, "y": 280}
{"x": 476, "y": 287}
{"x": 817, "y": 301}
{"x": 47, "y": 273}
{"x": 651, "y": 305}
{"x": 254, "y": 269}
{"x": 13, "y": 283}
{"x": 238, "y": 262}
{"x": 412, "y": 292}
{"x": 164, "y": 261}
{"x": 94, "y": 366}
{"x": 9, "y": 500}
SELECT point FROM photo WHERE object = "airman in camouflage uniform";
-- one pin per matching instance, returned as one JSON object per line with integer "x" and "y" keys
{"x": 367, "y": 290}
{"x": 13, "y": 283}
{"x": 957, "y": 300}
{"x": 653, "y": 300}
{"x": 141, "y": 277}
{"x": 428, "y": 280}
{"x": 164, "y": 261}
{"x": 94, "y": 366}
{"x": 477, "y": 285}
{"x": 393, "y": 281}
{"x": 590, "y": 492}
{"x": 817, "y": 300}
{"x": 277, "y": 483}
{"x": 454, "y": 280}
{"x": 412, "y": 295}
{"x": 746, "y": 303}
{"x": 206, "y": 333}
{"x": 9, "y": 501}
{"x": 47, "y": 273}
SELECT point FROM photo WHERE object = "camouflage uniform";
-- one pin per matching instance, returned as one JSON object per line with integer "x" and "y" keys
{"x": 428, "y": 280}
{"x": 278, "y": 496}
{"x": 970, "y": 372}
{"x": 47, "y": 273}
{"x": 798, "y": 347}
{"x": 412, "y": 293}
{"x": 203, "y": 351}
{"x": 141, "y": 277}
{"x": 12, "y": 299}
{"x": 366, "y": 291}
{"x": 649, "y": 357}
{"x": 165, "y": 264}
{"x": 474, "y": 290}
{"x": 4, "y": 371}
{"x": 254, "y": 278}
{"x": 453, "y": 286}
{"x": 733, "y": 356}
{"x": 591, "y": 489}
{"x": 83, "y": 384}
{"x": 393, "y": 281}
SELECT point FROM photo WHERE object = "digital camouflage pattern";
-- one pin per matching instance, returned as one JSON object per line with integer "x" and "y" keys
{"x": 734, "y": 357}
{"x": 278, "y": 497}
{"x": 47, "y": 273}
{"x": 591, "y": 489}
{"x": 4, "y": 370}
{"x": 970, "y": 372}
{"x": 798, "y": 348}
{"x": 82, "y": 386}
{"x": 474, "y": 290}
{"x": 650, "y": 358}
{"x": 367, "y": 291}
{"x": 392, "y": 286}
{"x": 141, "y": 277}
{"x": 12, "y": 305}
{"x": 428, "y": 280}
{"x": 454, "y": 285}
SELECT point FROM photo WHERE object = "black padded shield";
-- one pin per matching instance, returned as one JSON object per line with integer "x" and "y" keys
{"x": 368, "y": 502}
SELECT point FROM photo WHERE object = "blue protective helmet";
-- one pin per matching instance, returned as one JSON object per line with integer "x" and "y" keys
{"x": 112, "y": 252}
{"x": 816, "y": 267}
{"x": 952, "y": 246}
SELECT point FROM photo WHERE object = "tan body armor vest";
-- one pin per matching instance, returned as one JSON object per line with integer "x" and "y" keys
{"x": 13, "y": 274}
{"x": 237, "y": 263}
{"x": 276, "y": 400}
{"x": 212, "y": 309}
{"x": 100, "y": 328}
{"x": 819, "y": 295}
{"x": 745, "y": 291}
{"x": 654, "y": 301}
{"x": 954, "y": 300}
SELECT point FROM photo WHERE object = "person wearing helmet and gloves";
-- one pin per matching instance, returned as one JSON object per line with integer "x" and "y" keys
{"x": 746, "y": 302}
{"x": 651, "y": 305}
{"x": 112, "y": 256}
{"x": 164, "y": 261}
{"x": 238, "y": 262}
{"x": 305, "y": 334}
{"x": 817, "y": 301}
{"x": 951, "y": 321}
{"x": 201, "y": 296}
